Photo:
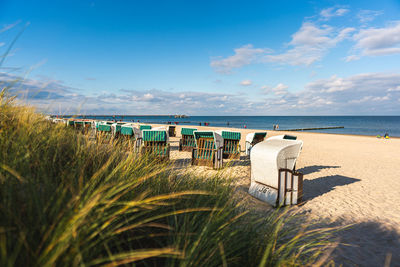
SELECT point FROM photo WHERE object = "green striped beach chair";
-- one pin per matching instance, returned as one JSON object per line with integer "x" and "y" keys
{"x": 208, "y": 150}
{"x": 79, "y": 124}
{"x": 231, "y": 144}
{"x": 252, "y": 139}
{"x": 131, "y": 133}
{"x": 187, "y": 142}
{"x": 156, "y": 143}
{"x": 144, "y": 127}
{"x": 70, "y": 122}
{"x": 116, "y": 129}
{"x": 103, "y": 130}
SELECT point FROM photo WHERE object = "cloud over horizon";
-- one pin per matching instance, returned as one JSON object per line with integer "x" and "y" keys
{"x": 358, "y": 94}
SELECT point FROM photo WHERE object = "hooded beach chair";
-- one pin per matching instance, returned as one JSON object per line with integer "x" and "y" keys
{"x": 252, "y": 139}
{"x": 70, "y": 122}
{"x": 58, "y": 120}
{"x": 187, "y": 142}
{"x": 103, "y": 130}
{"x": 131, "y": 133}
{"x": 273, "y": 176}
{"x": 231, "y": 144}
{"x": 171, "y": 130}
{"x": 144, "y": 127}
{"x": 116, "y": 129}
{"x": 208, "y": 150}
{"x": 156, "y": 143}
{"x": 81, "y": 125}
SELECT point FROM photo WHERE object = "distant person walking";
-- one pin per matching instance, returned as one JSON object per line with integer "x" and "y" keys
{"x": 274, "y": 127}
{"x": 277, "y": 127}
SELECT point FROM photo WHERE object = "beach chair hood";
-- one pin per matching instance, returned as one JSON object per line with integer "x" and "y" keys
{"x": 218, "y": 140}
{"x": 227, "y": 134}
{"x": 155, "y": 135}
{"x": 269, "y": 156}
{"x": 131, "y": 129}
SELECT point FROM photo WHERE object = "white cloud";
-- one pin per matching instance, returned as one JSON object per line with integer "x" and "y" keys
{"x": 331, "y": 12}
{"x": 368, "y": 15}
{"x": 310, "y": 43}
{"x": 280, "y": 89}
{"x": 394, "y": 89}
{"x": 357, "y": 94}
{"x": 148, "y": 96}
{"x": 351, "y": 58}
{"x": 379, "y": 41}
{"x": 244, "y": 55}
{"x": 245, "y": 83}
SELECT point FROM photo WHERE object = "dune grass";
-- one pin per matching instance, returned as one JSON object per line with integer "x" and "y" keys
{"x": 66, "y": 200}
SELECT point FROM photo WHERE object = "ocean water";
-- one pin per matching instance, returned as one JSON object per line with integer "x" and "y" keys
{"x": 357, "y": 125}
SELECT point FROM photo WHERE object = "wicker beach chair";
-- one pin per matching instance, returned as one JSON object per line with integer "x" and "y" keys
{"x": 103, "y": 131}
{"x": 231, "y": 144}
{"x": 70, "y": 122}
{"x": 80, "y": 125}
{"x": 187, "y": 142}
{"x": 273, "y": 176}
{"x": 116, "y": 129}
{"x": 208, "y": 150}
{"x": 155, "y": 142}
{"x": 252, "y": 139}
{"x": 144, "y": 127}
{"x": 131, "y": 133}
{"x": 172, "y": 130}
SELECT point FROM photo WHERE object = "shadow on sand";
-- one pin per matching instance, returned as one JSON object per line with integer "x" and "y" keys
{"x": 315, "y": 168}
{"x": 319, "y": 186}
{"x": 366, "y": 244}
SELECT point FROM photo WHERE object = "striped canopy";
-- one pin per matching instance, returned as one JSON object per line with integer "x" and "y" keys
{"x": 155, "y": 136}
{"x": 187, "y": 131}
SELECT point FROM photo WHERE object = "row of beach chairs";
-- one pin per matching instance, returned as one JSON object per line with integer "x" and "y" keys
{"x": 273, "y": 176}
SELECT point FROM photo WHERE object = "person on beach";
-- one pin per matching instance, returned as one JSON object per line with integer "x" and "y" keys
{"x": 274, "y": 127}
{"x": 245, "y": 126}
{"x": 227, "y": 123}
{"x": 277, "y": 127}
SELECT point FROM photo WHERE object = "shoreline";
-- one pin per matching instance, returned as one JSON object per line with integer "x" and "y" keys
{"x": 268, "y": 131}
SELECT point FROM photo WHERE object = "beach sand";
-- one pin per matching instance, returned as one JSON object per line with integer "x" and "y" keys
{"x": 347, "y": 180}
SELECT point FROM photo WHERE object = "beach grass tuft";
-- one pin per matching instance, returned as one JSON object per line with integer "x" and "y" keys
{"x": 67, "y": 200}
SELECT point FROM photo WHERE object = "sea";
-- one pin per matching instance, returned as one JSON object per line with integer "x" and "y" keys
{"x": 355, "y": 125}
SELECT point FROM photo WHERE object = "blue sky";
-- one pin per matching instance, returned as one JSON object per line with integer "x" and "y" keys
{"x": 204, "y": 57}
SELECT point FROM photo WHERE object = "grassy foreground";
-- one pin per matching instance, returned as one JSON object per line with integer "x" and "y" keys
{"x": 67, "y": 201}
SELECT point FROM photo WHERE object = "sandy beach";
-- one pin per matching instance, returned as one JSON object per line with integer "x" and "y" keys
{"x": 347, "y": 180}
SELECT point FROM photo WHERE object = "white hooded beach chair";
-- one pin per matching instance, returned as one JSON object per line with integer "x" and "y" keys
{"x": 208, "y": 150}
{"x": 273, "y": 179}
{"x": 252, "y": 139}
